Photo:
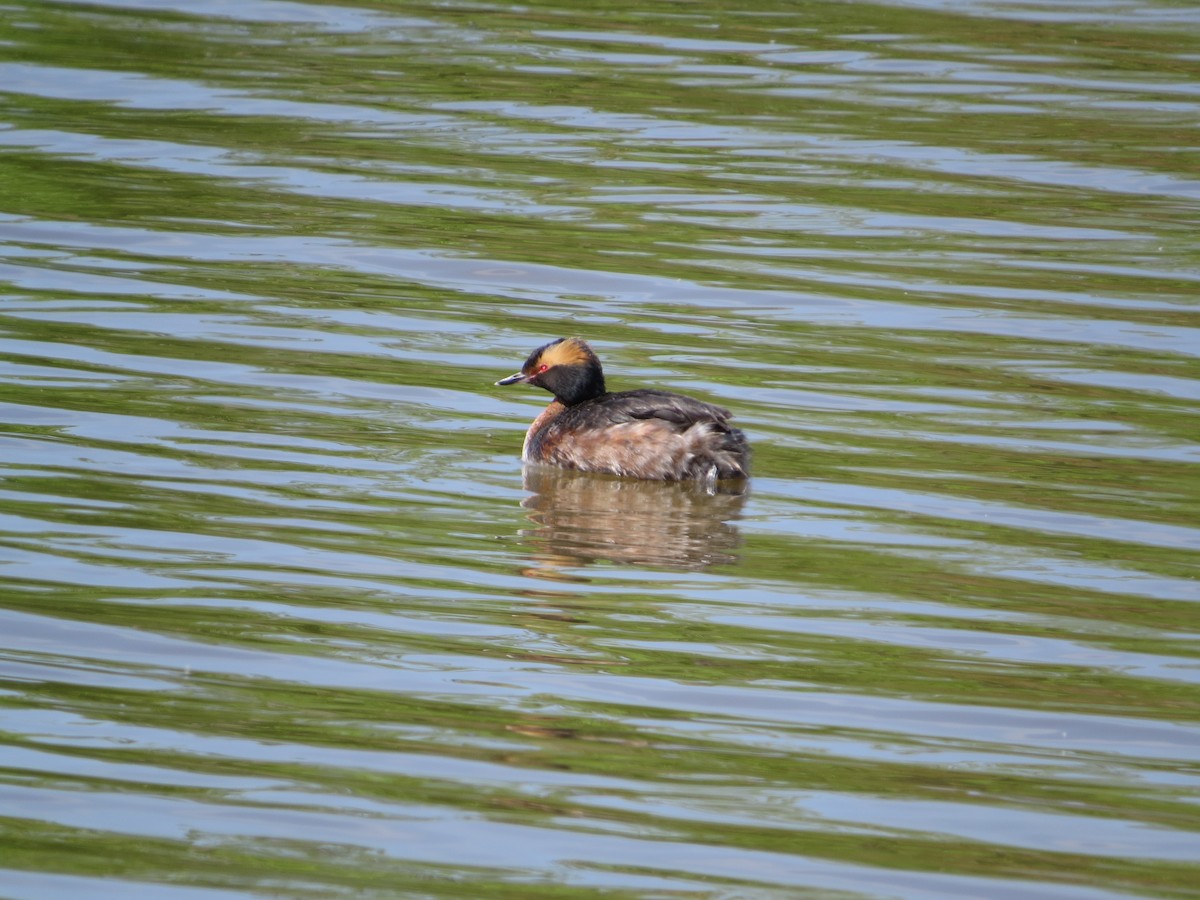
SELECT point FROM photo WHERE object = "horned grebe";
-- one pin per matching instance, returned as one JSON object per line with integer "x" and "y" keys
{"x": 643, "y": 434}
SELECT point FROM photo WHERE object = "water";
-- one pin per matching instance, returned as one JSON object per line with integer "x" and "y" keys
{"x": 282, "y": 616}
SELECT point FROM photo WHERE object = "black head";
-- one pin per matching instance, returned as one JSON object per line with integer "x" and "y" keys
{"x": 567, "y": 368}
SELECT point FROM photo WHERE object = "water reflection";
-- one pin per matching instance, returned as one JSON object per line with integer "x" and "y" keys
{"x": 582, "y": 517}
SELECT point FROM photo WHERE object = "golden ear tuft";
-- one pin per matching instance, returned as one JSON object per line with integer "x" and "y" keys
{"x": 567, "y": 352}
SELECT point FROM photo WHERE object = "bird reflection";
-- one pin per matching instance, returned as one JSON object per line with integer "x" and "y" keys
{"x": 582, "y": 517}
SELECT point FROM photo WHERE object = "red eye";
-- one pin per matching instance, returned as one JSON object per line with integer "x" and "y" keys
{"x": 542, "y": 368}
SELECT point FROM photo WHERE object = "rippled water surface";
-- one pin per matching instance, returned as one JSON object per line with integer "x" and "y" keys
{"x": 282, "y": 616}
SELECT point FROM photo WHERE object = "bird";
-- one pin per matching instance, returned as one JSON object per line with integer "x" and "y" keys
{"x": 647, "y": 434}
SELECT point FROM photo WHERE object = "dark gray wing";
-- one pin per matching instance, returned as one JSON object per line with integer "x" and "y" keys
{"x": 682, "y": 412}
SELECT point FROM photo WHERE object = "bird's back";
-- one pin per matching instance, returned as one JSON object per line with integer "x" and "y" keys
{"x": 645, "y": 434}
